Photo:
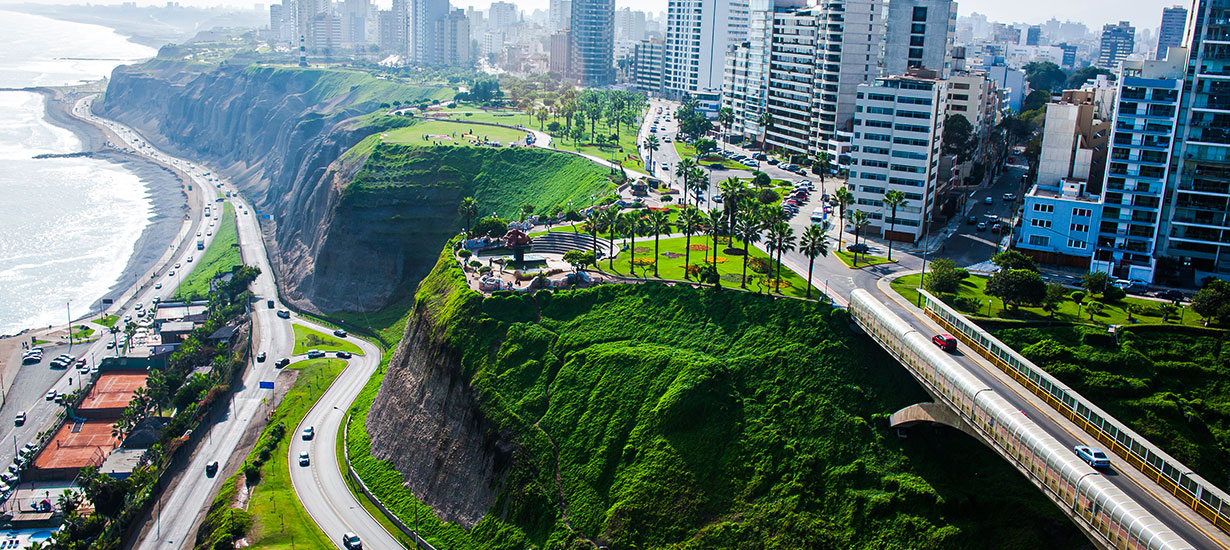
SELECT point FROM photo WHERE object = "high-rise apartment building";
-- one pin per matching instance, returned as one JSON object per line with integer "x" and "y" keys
{"x": 560, "y": 14}
{"x": 1135, "y": 191}
{"x": 919, "y": 33}
{"x": 502, "y": 16}
{"x": 425, "y": 17}
{"x": 1118, "y": 41}
{"x": 1199, "y": 230}
{"x": 1033, "y": 36}
{"x": 1170, "y": 34}
{"x": 560, "y": 56}
{"x": 592, "y": 29}
{"x": 390, "y": 32}
{"x": 648, "y": 62}
{"x": 817, "y": 57}
{"x": 897, "y": 127}
{"x": 630, "y": 25}
{"x": 1069, "y": 54}
{"x": 354, "y": 21}
{"x": 399, "y": 30}
{"x": 745, "y": 82}
{"x": 699, "y": 34}
{"x": 452, "y": 40}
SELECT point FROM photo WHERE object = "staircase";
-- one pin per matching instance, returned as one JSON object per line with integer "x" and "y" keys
{"x": 559, "y": 242}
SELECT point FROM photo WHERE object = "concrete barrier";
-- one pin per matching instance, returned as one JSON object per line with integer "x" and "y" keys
{"x": 354, "y": 477}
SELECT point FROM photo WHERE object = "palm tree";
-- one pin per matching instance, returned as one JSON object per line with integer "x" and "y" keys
{"x": 593, "y": 222}
{"x": 683, "y": 174}
{"x": 699, "y": 180}
{"x": 726, "y": 117}
{"x": 659, "y": 224}
{"x": 748, "y": 230}
{"x": 733, "y": 192}
{"x": 814, "y": 243}
{"x": 893, "y": 199}
{"x": 689, "y": 219}
{"x": 859, "y": 219}
{"x": 651, "y": 144}
{"x": 822, "y": 164}
{"x": 631, "y": 221}
{"x": 844, "y": 198}
{"x": 766, "y": 121}
{"x": 780, "y": 239}
{"x": 715, "y": 220}
{"x": 468, "y": 209}
{"x": 610, "y": 220}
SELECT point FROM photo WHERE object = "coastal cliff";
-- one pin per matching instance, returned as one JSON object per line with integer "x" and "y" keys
{"x": 280, "y": 133}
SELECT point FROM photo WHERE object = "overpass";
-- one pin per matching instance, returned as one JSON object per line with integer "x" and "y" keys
{"x": 1146, "y": 500}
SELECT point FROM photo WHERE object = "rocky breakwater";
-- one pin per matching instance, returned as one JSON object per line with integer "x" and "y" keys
{"x": 280, "y": 133}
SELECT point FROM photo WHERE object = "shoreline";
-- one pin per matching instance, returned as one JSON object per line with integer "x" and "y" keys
{"x": 164, "y": 187}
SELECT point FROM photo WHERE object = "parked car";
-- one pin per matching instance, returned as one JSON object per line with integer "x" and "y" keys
{"x": 303, "y": 459}
{"x": 211, "y": 469}
{"x": 315, "y": 354}
{"x": 760, "y": 156}
{"x": 1138, "y": 288}
{"x": 339, "y": 333}
{"x": 859, "y": 248}
{"x": 344, "y": 355}
{"x": 351, "y": 541}
{"x": 308, "y": 433}
{"x": 945, "y": 342}
{"x": 1094, "y": 457}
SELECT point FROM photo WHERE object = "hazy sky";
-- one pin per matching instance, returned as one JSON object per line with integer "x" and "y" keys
{"x": 1143, "y": 13}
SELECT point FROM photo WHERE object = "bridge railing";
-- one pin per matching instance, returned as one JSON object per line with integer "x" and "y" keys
{"x": 1179, "y": 480}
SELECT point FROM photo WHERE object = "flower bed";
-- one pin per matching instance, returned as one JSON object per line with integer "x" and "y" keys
{"x": 698, "y": 247}
{"x": 719, "y": 260}
{"x": 643, "y": 261}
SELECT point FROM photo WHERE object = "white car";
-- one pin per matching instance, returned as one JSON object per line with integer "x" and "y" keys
{"x": 51, "y": 395}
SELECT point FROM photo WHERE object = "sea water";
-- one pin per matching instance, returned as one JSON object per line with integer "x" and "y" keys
{"x": 67, "y": 226}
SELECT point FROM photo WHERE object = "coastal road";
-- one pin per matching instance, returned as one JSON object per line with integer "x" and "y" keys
{"x": 190, "y": 495}
{"x": 321, "y": 486}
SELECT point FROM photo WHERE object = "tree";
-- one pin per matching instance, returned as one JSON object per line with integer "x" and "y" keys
{"x": 761, "y": 180}
{"x": 1036, "y": 99}
{"x": 1213, "y": 301}
{"x": 704, "y": 146}
{"x": 659, "y": 224}
{"x": 490, "y": 227}
{"x": 577, "y": 134}
{"x": 767, "y": 196}
{"x": 1014, "y": 259}
{"x": 726, "y": 117}
{"x": 1044, "y": 75}
{"x": 780, "y": 239}
{"x": 468, "y": 209}
{"x": 844, "y": 198}
{"x": 579, "y": 258}
{"x": 1016, "y": 286}
{"x": 1094, "y": 308}
{"x": 814, "y": 243}
{"x": 766, "y": 122}
{"x": 945, "y": 277}
{"x": 692, "y": 122}
{"x": 748, "y": 230}
{"x": 1096, "y": 282}
{"x": 734, "y": 193}
{"x": 859, "y": 219}
{"x": 593, "y": 224}
{"x": 1054, "y": 297}
{"x": 823, "y": 164}
{"x": 610, "y": 220}
{"x": 958, "y": 137}
{"x": 714, "y": 221}
{"x": 689, "y": 220}
{"x": 651, "y": 145}
{"x": 1133, "y": 310}
{"x": 541, "y": 115}
{"x": 526, "y": 210}
{"x": 683, "y": 175}
{"x": 892, "y": 200}
{"x": 1080, "y": 76}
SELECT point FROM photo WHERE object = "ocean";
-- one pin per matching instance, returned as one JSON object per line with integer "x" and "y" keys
{"x": 67, "y": 226}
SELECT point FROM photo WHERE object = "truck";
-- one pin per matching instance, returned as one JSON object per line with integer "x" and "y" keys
{"x": 200, "y": 244}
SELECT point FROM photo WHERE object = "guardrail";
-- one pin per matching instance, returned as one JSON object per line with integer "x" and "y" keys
{"x": 1179, "y": 480}
{"x": 354, "y": 477}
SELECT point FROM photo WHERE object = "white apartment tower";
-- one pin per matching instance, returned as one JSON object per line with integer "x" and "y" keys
{"x": 818, "y": 56}
{"x": 746, "y": 79}
{"x": 897, "y": 135}
{"x": 699, "y": 34}
{"x": 426, "y": 17}
{"x": 560, "y": 14}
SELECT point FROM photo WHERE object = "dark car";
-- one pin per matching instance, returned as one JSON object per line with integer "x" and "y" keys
{"x": 859, "y": 248}
{"x": 344, "y": 355}
{"x": 760, "y": 156}
{"x": 945, "y": 342}
{"x": 339, "y": 333}
{"x": 211, "y": 469}
{"x": 260, "y": 357}
{"x": 972, "y": 220}
{"x": 1139, "y": 289}
{"x": 1172, "y": 295}
{"x": 315, "y": 354}
{"x": 285, "y": 314}
{"x": 269, "y": 304}
{"x": 282, "y": 363}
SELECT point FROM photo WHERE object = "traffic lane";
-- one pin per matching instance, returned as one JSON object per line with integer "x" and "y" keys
{"x": 1041, "y": 414}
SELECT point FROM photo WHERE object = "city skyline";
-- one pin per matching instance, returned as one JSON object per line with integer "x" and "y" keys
{"x": 1093, "y": 13}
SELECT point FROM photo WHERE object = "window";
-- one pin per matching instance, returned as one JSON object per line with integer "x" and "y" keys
{"x": 920, "y": 13}
{"x": 876, "y": 137}
{"x": 916, "y": 53}
{"x": 874, "y": 163}
{"x": 1039, "y": 207}
{"x": 1045, "y": 224}
{"x": 1081, "y": 212}
{"x": 1039, "y": 240}
{"x": 872, "y": 176}
{"x": 875, "y": 150}
{"x": 1081, "y": 245}
{"x": 1079, "y": 228}
{"x": 918, "y": 28}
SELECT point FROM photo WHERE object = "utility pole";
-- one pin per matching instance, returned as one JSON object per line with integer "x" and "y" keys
{"x": 68, "y": 306}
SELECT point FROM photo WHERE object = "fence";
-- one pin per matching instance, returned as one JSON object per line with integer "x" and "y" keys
{"x": 354, "y": 478}
{"x": 1179, "y": 480}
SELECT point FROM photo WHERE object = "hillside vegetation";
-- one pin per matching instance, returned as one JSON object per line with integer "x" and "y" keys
{"x": 1173, "y": 388}
{"x": 673, "y": 417}
{"x": 221, "y": 256}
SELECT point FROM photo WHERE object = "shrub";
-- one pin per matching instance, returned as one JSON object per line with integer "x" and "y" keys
{"x": 965, "y": 303}
{"x": 1114, "y": 294}
{"x": 465, "y": 254}
{"x": 759, "y": 265}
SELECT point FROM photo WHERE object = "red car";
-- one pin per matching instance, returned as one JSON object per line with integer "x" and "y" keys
{"x": 945, "y": 342}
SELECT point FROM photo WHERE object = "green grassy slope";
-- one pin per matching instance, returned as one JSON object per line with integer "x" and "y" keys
{"x": 1172, "y": 388}
{"x": 324, "y": 84}
{"x": 308, "y": 339}
{"x": 221, "y": 256}
{"x": 688, "y": 418}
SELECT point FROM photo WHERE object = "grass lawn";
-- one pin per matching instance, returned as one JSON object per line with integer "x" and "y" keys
{"x": 82, "y": 332}
{"x": 1112, "y": 313}
{"x": 507, "y": 117}
{"x": 107, "y": 321}
{"x": 864, "y": 260}
{"x": 221, "y": 256}
{"x": 730, "y": 265}
{"x": 306, "y": 339}
{"x": 440, "y": 132}
{"x": 279, "y": 520}
{"x": 624, "y": 153}
{"x": 686, "y": 150}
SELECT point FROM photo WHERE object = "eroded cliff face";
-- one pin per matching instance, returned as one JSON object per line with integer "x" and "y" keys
{"x": 279, "y": 135}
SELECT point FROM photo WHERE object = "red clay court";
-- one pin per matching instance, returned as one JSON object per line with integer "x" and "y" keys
{"x": 76, "y": 445}
{"x": 112, "y": 393}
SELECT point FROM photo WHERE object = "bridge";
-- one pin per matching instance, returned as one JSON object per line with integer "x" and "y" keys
{"x": 1146, "y": 500}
